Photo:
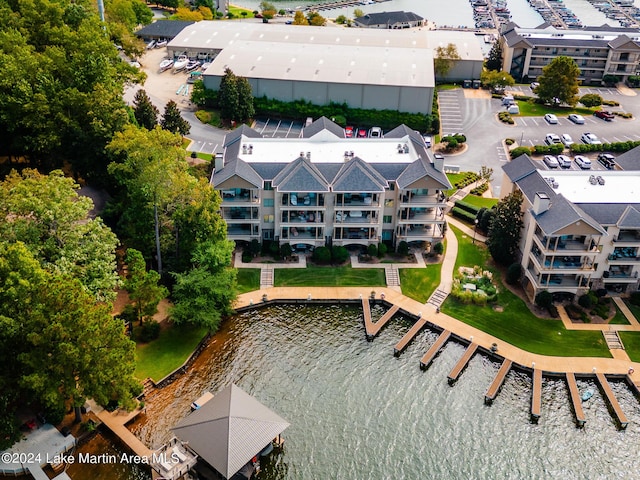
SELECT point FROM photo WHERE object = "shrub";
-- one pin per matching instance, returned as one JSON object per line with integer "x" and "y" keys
{"x": 516, "y": 152}
{"x": 372, "y": 250}
{"x": 544, "y": 299}
{"x": 285, "y": 250}
{"x": 463, "y": 214}
{"x": 591, "y": 100}
{"x": 339, "y": 254}
{"x": 246, "y": 256}
{"x": 574, "y": 312}
{"x": 611, "y": 103}
{"x": 585, "y": 301}
{"x": 382, "y": 250}
{"x": 509, "y": 141}
{"x": 505, "y": 117}
{"x": 467, "y": 207}
{"x": 438, "y": 248}
{"x": 403, "y": 248}
{"x": 480, "y": 189}
{"x": 610, "y": 79}
{"x": 553, "y": 311}
{"x": 484, "y": 222}
{"x": 554, "y": 149}
{"x": 634, "y": 298}
{"x": 321, "y": 255}
{"x": 623, "y": 114}
{"x": 150, "y": 330}
{"x": 460, "y": 138}
{"x": 513, "y": 273}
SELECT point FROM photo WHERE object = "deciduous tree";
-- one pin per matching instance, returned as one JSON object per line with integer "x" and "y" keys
{"x": 559, "y": 81}
{"x": 445, "y": 59}
{"x": 492, "y": 79}
{"x": 142, "y": 286}
{"x": 299, "y": 18}
{"x": 505, "y": 229}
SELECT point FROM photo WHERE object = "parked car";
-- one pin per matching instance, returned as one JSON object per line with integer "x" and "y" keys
{"x": 551, "y": 139}
{"x": 564, "y": 161}
{"x": 362, "y": 133}
{"x": 590, "y": 139}
{"x": 534, "y": 85}
{"x": 427, "y": 140}
{"x": 551, "y": 161}
{"x": 513, "y": 109}
{"x": 583, "y": 162}
{"x": 577, "y": 119}
{"x": 551, "y": 118}
{"x": 603, "y": 114}
{"x": 348, "y": 131}
{"x": 566, "y": 139}
{"x": 375, "y": 132}
{"x": 508, "y": 100}
{"x": 607, "y": 160}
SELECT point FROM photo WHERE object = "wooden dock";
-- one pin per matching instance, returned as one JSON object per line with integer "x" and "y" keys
{"x": 428, "y": 357}
{"x": 536, "y": 396}
{"x": 413, "y": 331}
{"x": 115, "y": 421}
{"x": 372, "y": 329}
{"x": 462, "y": 363}
{"x": 613, "y": 401}
{"x": 576, "y": 399}
{"x": 492, "y": 392}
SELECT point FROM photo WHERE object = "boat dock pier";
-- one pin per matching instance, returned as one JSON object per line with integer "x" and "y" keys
{"x": 536, "y": 395}
{"x": 116, "y": 421}
{"x": 462, "y": 363}
{"x": 372, "y": 329}
{"x": 613, "y": 401}
{"x": 413, "y": 331}
{"x": 576, "y": 400}
{"x": 492, "y": 392}
{"x": 428, "y": 357}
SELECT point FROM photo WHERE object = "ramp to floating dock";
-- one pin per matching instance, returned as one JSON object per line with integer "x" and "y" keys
{"x": 492, "y": 392}
{"x": 462, "y": 363}
{"x": 536, "y": 398}
{"x": 372, "y": 329}
{"x": 413, "y": 331}
{"x": 428, "y": 357}
{"x": 613, "y": 401}
{"x": 576, "y": 399}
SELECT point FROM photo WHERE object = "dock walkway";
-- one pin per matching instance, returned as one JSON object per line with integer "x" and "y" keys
{"x": 116, "y": 421}
{"x": 576, "y": 399}
{"x": 613, "y": 401}
{"x": 492, "y": 392}
{"x": 406, "y": 339}
{"x": 428, "y": 357}
{"x": 536, "y": 395}
{"x": 372, "y": 329}
{"x": 462, "y": 363}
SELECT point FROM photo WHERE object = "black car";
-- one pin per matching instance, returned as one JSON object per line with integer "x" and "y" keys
{"x": 607, "y": 160}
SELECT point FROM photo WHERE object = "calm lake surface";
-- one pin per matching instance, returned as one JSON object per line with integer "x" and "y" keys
{"x": 358, "y": 412}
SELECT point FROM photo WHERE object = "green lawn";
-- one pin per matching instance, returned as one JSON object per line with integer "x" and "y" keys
{"x": 631, "y": 341}
{"x": 162, "y": 356}
{"x": 447, "y": 86}
{"x": 531, "y": 109}
{"x": 480, "y": 201}
{"x": 248, "y": 279}
{"x": 516, "y": 324}
{"x": 453, "y": 179}
{"x": 635, "y": 309}
{"x": 619, "y": 318}
{"x": 329, "y": 277}
{"x": 420, "y": 283}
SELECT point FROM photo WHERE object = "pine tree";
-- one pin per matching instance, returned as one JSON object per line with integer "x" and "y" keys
{"x": 505, "y": 229}
{"x": 173, "y": 121}
{"x": 494, "y": 60}
{"x": 145, "y": 112}
{"x": 228, "y": 97}
{"x": 246, "y": 109}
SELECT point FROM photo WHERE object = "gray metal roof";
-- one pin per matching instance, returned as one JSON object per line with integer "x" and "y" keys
{"x": 238, "y": 168}
{"x": 629, "y": 160}
{"x": 561, "y": 214}
{"x": 320, "y": 125}
{"x": 630, "y": 218}
{"x": 519, "y": 168}
{"x": 230, "y": 429}
{"x": 388, "y": 18}
{"x": 163, "y": 28}
{"x": 236, "y": 134}
{"x": 300, "y": 176}
{"x": 357, "y": 176}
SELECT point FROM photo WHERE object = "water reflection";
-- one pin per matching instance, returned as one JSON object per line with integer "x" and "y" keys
{"x": 358, "y": 412}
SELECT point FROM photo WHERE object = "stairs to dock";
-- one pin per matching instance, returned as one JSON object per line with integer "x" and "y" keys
{"x": 613, "y": 340}
{"x": 392, "y": 276}
{"x": 437, "y": 298}
{"x": 266, "y": 277}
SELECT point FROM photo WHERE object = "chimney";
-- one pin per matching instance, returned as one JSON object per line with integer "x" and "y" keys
{"x": 438, "y": 162}
{"x": 541, "y": 203}
{"x": 308, "y": 155}
{"x": 219, "y": 162}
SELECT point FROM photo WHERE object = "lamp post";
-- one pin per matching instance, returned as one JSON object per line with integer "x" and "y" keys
{"x": 475, "y": 228}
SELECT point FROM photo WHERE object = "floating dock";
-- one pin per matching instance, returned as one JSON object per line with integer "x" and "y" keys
{"x": 613, "y": 401}
{"x": 413, "y": 331}
{"x": 428, "y": 357}
{"x": 576, "y": 399}
{"x": 462, "y": 363}
{"x": 492, "y": 392}
{"x": 536, "y": 397}
{"x": 372, "y": 329}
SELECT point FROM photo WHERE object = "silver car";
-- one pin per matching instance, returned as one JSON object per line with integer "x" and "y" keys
{"x": 583, "y": 162}
{"x": 577, "y": 119}
{"x": 564, "y": 161}
{"x": 551, "y": 161}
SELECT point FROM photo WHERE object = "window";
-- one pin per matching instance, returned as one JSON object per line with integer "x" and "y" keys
{"x": 267, "y": 202}
{"x": 388, "y": 202}
{"x": 268, "y": 186}
{"x": 624, "y": 56}
{"x": 392, "y": 186}
{"x": 269, "y": 218}
{"x": 387, "y": 219}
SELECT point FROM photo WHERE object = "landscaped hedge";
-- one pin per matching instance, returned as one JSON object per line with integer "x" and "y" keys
{"x": 467, "y": 207}
{"x": 604, "y": 147}
{"x": 505, "y": 117}
{"x": 480, "y": 189}
{"x": 554, "y": 149}
{"x": 468, "y": 179}
{"x": 463, "y": 214}
{"x": 516, "y": 152}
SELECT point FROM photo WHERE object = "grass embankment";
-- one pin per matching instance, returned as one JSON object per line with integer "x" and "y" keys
{"x": 635, "y": 309}
{"x": 516, "y": 324}
{"x": 619, "y": 318}
{"x": 248, "y": 279}
{"x": 480, "y": 202}
{"x": 329, "y": 277}
{"x": 162, "y": 356}
{"x": 531, "y": 109}
{"x": 420, "y": 283}
{"x": 631, "y": 342}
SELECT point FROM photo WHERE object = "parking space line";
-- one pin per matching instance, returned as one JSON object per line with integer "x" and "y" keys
{"x": 276, "y": 129}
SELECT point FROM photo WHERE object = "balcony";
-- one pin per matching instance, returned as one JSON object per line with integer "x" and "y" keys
{"x": 355, "y": 235}
{"x": 239, "y": 195}
{"x": 574, "y": 243}
{"x": 242, "y": 231}
{"x": 557, "y": 282}
{"x": 302, "y": 216}
{"x": 356, "y": 216}
{"x": 357, "y": 200}
{"x": 415, "y": 232}
{"x": 413, "y": 215}
{"x": 240, "y": 213}
{"x": 623, "y": 256}
{"x": 413, "y": 197}
{"x": 302, "y": 233}
{"x": 565, "y": 262}
{"x": 631, "y": 237}
{"x": 620, "y": 274}
{"x": 310, "y": 199}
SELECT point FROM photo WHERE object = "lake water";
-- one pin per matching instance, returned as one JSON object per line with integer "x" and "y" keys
{"x": 358, "y": 412}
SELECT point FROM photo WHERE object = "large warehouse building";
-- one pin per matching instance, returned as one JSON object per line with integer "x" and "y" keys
{"x": 363, "y": 68}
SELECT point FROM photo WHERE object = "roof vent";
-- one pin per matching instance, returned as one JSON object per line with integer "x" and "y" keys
{"x": 308, "y": 155}
{"x": 600, "y": 180}
{"x": 592, "y": 180}
{"x": 400, "y": 148}
{"x": 405, "y": 148}
{"x": 302, "y": 154}
{"x": 244, "y": 149}
{"x": 250, "y": 149}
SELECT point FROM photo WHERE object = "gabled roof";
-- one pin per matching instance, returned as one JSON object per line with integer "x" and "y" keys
{"x": 629, "y": 160}
{"x": 561, "y": 214}
{"x": 388, "y": 18}
{"x": 414, "y": 172}
{"x": 163, "y": 28}
{"x": 244, "y": 130}
{"x": 630, "y": 218}
{"x": 323, "y": 123}
{"x": 624, "y": 40}
{"x": 357, "y": 176}
{"x": 230, "y": 429}
{"x": 300, "y": 176}
{"x": 519, "y": 168}
{"x": 239, "y": 168}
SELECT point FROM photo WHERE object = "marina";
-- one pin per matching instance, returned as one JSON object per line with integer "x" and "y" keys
{"x": 498, "y": 380}
{"x": 462, "y": 363}
{"x": 576, "y": 399}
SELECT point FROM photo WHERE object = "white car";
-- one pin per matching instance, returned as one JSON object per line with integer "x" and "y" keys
{"x": 534, "y": 85}
{"x": 551, "y": 139}
{"x": 566, "y": 140}
{"x": 590, "y": 139}
{"x": 551, "y": 118}
{"x": 427, "y": 140}
{"x": 577, "y": 119}
{"x": 375, "y": 132}
{"x": 564, "y": 161}
{"x": 583, "y": 162}
{"x": 551, "y": 161}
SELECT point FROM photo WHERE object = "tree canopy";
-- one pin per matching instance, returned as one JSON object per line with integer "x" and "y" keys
{"x": 505, "y": 229}
{"x": 235, "y": 97}
{"x": 493, "y": 79}
{"x": 444, "y": 59}
{"x": 142, "y": 286}
{"x": 173, "y": 121}
{"x": 494, "y": 59}
{"x": 145, "y": 112}
{"x": 559, "y": 81}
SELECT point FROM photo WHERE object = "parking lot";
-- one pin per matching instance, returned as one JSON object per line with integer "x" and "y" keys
{"x": 274, "y": 128}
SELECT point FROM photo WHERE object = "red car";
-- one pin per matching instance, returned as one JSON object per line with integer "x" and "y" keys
{"x": 608, "y": 116}
{"x": 348, "y": 132}
{"x": 362, "y": 133}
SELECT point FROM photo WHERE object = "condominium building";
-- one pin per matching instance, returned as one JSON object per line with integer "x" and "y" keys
{"x": 598, "y": 51}
{"x": 581, "y": 228}
{"x": 323, "y": 188}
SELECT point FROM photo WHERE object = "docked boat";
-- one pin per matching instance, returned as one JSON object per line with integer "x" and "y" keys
{"x": 180, "y": 63}
{"x": 192, "y": 65}
{"x": 161, "y": 43}
{"x": 587, "y": 394}
{"x": 166, "y": 64}
{"x": 205, "y": 65}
